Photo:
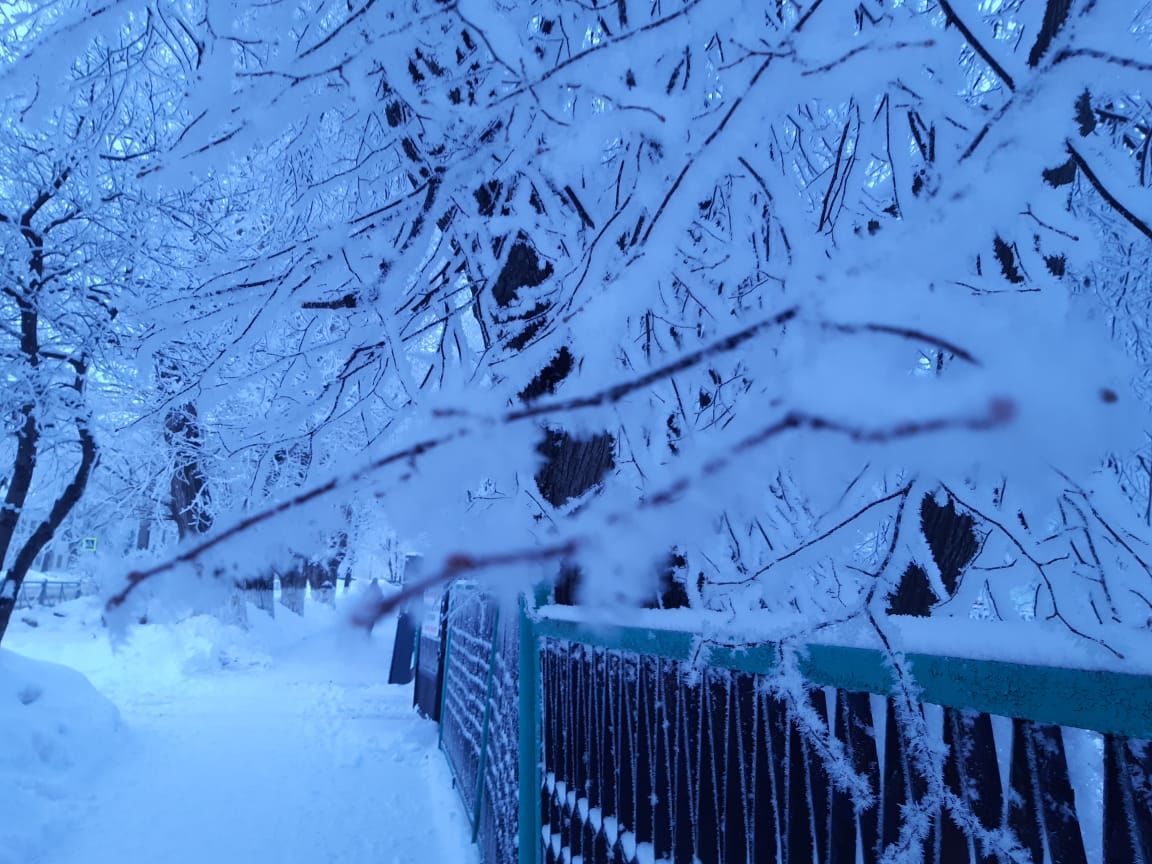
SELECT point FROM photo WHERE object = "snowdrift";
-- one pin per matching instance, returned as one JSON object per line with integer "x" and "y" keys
{"x": 54, "y": 727}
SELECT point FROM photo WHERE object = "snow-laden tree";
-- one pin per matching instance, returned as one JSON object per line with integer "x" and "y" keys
{"x": 786, "y": 285}
{"x": 841, "y": 308}
{"x": 85, "y": 237}
{"x": 853, "y": 254}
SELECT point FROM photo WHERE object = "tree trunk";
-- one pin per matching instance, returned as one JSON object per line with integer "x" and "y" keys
{"x": 321, "y": 580}
{"x": 292, "y": 582}
{"x": 144, "y": 535}
{"x": 189, "y": 499}
{"x": 13, "y": 576}
{"x": 572, "y": 465}
{"x": 261, "y": 594}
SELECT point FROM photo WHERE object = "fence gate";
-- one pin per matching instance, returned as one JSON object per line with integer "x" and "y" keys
{"x": 479, "y": 725}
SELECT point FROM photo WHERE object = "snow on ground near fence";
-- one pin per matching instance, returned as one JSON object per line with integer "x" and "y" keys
{"x": 280, "y": 744}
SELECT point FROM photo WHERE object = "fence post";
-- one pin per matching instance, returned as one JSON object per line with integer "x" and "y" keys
{"x": 529, "y": 736}
{"x": 444, "y": 685}
{"x": 484, "y": 728}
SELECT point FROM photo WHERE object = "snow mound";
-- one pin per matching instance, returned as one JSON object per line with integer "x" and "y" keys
{"x": 56, "y": 727}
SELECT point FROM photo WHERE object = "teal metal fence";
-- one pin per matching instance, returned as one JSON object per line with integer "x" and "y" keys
{"x": 465, "y": 711}
{"x": 586, "y": 744}
{"x": 479, "y": 717}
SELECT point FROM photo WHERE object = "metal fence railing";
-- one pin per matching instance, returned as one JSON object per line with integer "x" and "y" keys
{"x": 479, "y": 728}
{"x": 497, "y": 821}
{"x": 479, "y": 724}
{"x": 619, "y": 745}
{"x": 47, "y": 593}
{"x": 464, "y": 714}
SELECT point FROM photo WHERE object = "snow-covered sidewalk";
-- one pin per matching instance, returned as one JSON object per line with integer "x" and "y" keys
{"x": 280, "y": 745}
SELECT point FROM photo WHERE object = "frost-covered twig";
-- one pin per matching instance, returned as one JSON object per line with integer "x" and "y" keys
{"x": 901, "y": 493}
{"x": 926, "y": 761}
{"x": 137, "y": 577}
{"x": 911, "y": 334}
{"x": 1041, "y": 568}
{"x": 1144, "y": 226}
{"x": 456, "y": 567}
{"x": 611, "y": 395}
{"x": 996, "y": 416}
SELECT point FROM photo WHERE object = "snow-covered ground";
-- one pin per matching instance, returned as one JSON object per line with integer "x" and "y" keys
{"x": 281, "y": 744}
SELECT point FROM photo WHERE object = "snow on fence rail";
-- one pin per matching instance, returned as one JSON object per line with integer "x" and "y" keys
{"x": 635, "y": 746}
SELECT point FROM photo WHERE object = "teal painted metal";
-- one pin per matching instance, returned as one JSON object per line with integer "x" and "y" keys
{"x": 484, "y": 728}
{"x": 529, "y": 737}
{"x": 1112, "y": 702}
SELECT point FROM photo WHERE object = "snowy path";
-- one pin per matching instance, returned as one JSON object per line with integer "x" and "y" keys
{"x": 233, "y": 755}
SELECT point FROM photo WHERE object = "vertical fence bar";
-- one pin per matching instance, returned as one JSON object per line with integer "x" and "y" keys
{"x": 529, "y": 737}
{"x": 484, "y": 728}
{"x": 447, "y": 669}
{"x": 1127, "y": 800}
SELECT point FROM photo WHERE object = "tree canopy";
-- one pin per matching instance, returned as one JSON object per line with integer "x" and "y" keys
{"x": 841, "y": 308}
